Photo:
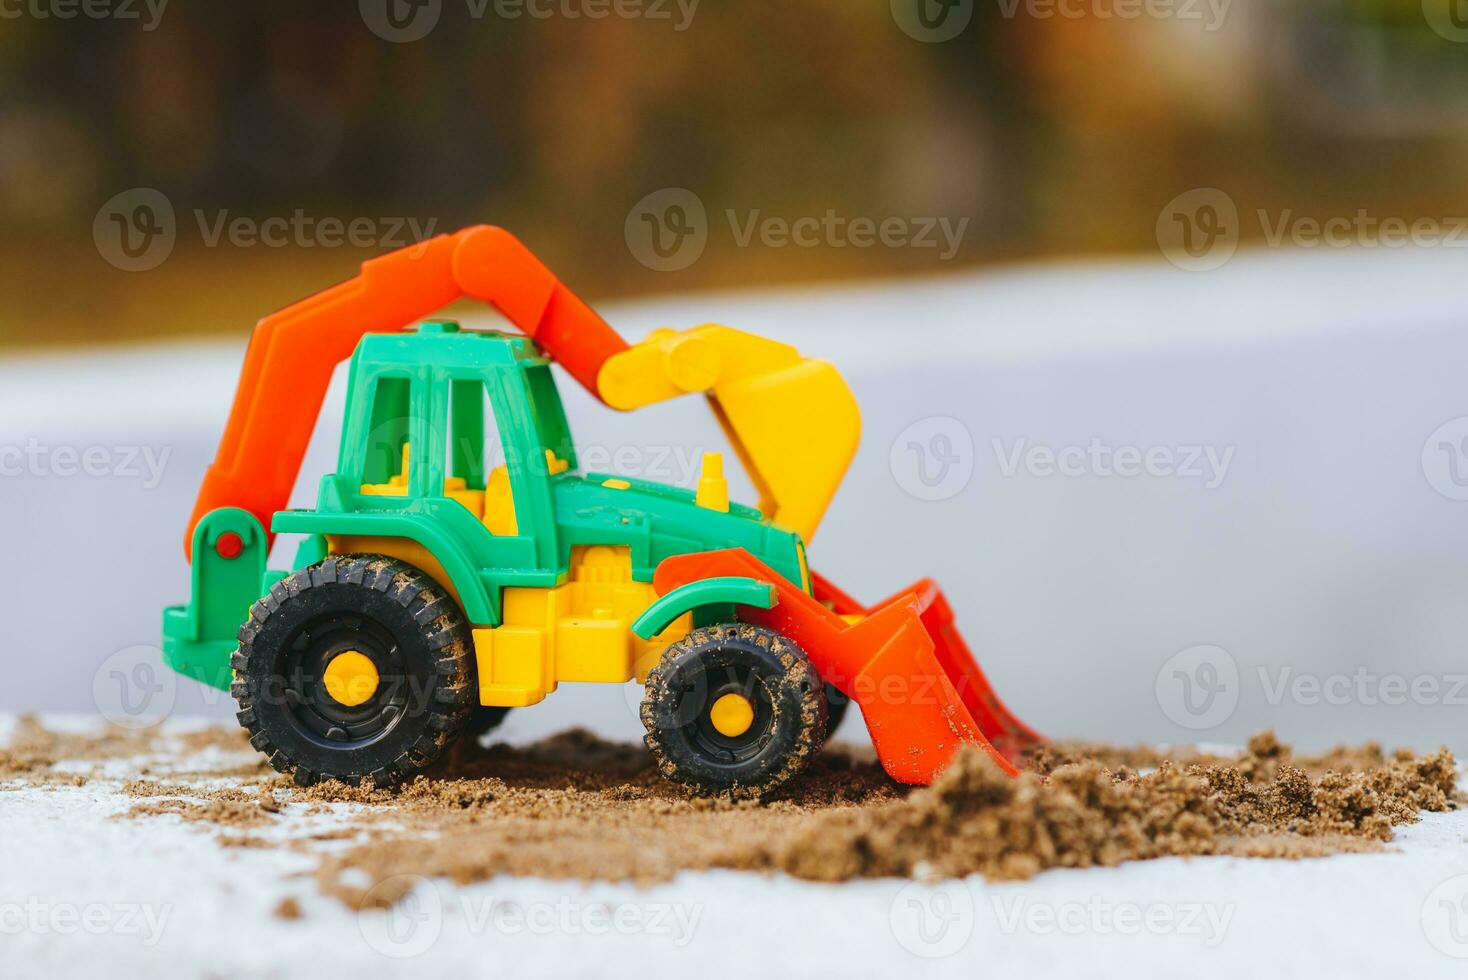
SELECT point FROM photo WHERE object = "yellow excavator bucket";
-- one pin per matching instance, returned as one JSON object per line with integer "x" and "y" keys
{"x": 791, "y": 420}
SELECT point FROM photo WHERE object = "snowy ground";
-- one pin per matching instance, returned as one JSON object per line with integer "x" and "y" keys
{"x": 81, "y": 887}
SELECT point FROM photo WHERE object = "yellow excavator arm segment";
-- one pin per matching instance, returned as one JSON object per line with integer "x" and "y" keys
{"x": 791, "y": 420}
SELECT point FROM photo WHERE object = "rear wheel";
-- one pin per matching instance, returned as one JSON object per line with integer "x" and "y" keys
{"x": 357, "y": 667}
{"x": 735, "y": 709}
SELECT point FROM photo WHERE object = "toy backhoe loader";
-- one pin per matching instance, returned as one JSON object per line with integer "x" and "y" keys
{"x": 458, "y": 563}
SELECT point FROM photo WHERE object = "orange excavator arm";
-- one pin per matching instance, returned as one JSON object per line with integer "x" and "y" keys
{"x": 792, "y": 420}
{"x": 293, "y": 352}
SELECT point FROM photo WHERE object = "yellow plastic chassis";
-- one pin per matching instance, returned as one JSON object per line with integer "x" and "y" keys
{"x": 579, "y": 631}
{"x": 763, "y": 393}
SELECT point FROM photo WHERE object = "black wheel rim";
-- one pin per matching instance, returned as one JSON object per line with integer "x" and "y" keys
{"x": 698, "y": 726}
{"x": 311, "y": 710}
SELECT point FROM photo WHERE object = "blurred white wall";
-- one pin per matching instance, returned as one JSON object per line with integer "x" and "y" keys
{"x": 1311, "y": 576}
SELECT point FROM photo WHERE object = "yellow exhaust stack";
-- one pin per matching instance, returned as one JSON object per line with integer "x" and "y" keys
{"x": 713, "y": 489}
{"x": 791, "y": 420}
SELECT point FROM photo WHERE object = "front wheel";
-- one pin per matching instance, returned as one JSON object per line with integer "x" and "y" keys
{"x": 735, "y": 709}
{"x": 356, "y": 667}
{"x": 836, "y": 705}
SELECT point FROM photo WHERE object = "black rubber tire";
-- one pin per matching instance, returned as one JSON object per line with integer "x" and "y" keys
{"x": 767, "y": 668}
{"x": 836, "y": 705}
{"x": 397, "y": 616}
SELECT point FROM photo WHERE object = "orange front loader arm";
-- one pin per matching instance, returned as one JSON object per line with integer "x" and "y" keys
{"x": 293, "y": 352}
{"x": 902, "y": 661}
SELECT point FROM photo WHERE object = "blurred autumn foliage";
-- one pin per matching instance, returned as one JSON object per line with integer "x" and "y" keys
{"x": 1048, "y": 134}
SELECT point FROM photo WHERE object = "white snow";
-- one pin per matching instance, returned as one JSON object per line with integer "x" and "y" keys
{"x": 84, "y": 891}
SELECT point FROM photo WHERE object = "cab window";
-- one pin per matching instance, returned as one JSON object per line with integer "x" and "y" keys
{"x": 475, "y": 475}
{"x": 388, "y": 452}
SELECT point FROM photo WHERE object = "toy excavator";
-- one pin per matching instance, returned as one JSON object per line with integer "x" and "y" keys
{"x": 458, "y": 564}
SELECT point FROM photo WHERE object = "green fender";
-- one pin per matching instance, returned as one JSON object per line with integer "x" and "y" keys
{"x": 725, "y": 590}
{"x": 479, "y": 605}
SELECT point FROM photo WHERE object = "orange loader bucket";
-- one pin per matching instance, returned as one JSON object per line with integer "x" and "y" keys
{"x": 902, "y": 661}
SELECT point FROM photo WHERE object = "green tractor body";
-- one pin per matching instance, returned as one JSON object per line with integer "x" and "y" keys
{"x": 465, "y": 404}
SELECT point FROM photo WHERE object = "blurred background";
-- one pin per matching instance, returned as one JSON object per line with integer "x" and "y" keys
{"x": 1051, "y": 127}
{"x": 1226, "y": 231}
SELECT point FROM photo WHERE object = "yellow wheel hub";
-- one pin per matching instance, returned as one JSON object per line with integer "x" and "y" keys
{"x": 732, "y": 715}
{"x": 351, "y": 678}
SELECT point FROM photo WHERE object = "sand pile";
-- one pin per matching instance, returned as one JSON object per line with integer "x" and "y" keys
{"x": 574, "y": 806}
{"x": 977, "y": 820}
{"x": 846, "y": 821}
